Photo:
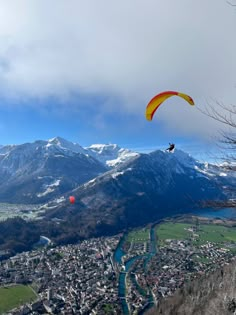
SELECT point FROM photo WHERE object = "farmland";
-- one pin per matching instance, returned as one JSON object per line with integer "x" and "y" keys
{"x": 137, "y": 236}
{"x": 202, "y": 234}
{"x": 13, "y": 296}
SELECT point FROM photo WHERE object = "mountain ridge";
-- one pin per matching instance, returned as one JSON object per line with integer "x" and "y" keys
{"x": 28, "y": 169}
{"x": 141, "y": 190}
{"x": 48, "y": 171}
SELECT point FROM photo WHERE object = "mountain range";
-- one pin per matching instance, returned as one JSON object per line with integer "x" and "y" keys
{"x": 114, "y": 188}
{"x": 37, "y": 172}
{"x": 143, "y": 189}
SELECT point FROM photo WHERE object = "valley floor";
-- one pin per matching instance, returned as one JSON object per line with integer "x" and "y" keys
{"x": 123, "y": 274}
{"x": 27, "y": 212}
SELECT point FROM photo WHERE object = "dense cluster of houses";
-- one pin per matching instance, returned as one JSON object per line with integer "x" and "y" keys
{"x": 177, "y": 262}
{"x": 155, "y": 276}
{"x": 84, "y": 278}
{"x": 72, "y": 279}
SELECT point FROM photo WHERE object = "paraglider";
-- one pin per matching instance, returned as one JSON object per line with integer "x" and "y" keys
{"x": 171, "y": 147}
{"x": 157, "y": 100}
{"x": 72, "y": 199}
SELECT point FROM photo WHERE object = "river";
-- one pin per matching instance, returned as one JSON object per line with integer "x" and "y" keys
{"x": 119, "y": 253}
{"x": 226, "y": 213}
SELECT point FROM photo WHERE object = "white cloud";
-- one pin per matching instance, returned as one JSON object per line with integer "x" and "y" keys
{"x": 126, "y": 49}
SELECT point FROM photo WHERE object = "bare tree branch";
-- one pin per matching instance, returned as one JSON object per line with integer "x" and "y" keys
{"x": 233, "y": 5}
{"x": 227, "y": 143}
{"x": 228, "y": 119}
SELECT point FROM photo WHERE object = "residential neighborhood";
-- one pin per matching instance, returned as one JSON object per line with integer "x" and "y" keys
{"x": 72, "y": 279}
{"x": 87, "y": 278}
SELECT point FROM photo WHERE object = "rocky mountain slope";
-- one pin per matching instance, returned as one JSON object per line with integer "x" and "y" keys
{"x": 37, "y": 172}
{"x": 143, "y": 189}
{"x": 139, "y": 189}
{"x": 108, "y": 181}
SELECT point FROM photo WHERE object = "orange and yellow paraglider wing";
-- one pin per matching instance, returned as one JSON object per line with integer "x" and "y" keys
{"x": 187, "y": 98}
{"x": 156, "y": 101}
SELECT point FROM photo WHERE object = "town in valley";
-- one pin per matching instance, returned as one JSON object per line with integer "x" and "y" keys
{"x": 123, "y": 274}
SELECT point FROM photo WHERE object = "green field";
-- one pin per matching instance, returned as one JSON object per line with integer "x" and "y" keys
{"x": 216, "y": 234}
{"x": 13, "y": 296}
{"x": 201, "y": 258}
{"x": 139, "y": 235}
{"x": 172, "y": 231}
{"x": 108, "y": 308}
{"x": 207, "y": 232}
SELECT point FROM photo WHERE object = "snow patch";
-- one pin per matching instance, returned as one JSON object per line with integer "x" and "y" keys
{"x": 92, "y": 181}
{"x": 50, "y": 188}
{"x": 140, "y": 193}
{"x": 56, "y": 183}
{"x": 222, "y": 174}
{"x": 59, "y": 200}
{"x": 41, "y": 177}
{"x": 124, "y": 156}
{"x": 46, "y": 192}
{"x": 116, "y": 174}
{"x": 202, "y": 171}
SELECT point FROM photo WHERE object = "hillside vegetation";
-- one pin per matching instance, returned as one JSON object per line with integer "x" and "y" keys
{"x": 214, "y": 294}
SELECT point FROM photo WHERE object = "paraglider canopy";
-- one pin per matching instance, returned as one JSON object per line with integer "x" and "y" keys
{"x": 72, "y": 199}
{"x": 157, "y": 100}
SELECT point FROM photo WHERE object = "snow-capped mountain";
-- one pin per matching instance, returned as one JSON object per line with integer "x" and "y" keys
{"x": 43, "y": 170}
{"x": 110, "y": 154}
{"x": 143, "y": 189}
{"x": 47, "y": 170}
{"x": 39, "y": 171}
{"x": 66, "y": 145}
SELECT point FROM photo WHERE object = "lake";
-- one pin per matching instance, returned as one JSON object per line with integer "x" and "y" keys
{"x": 225, "y": 213}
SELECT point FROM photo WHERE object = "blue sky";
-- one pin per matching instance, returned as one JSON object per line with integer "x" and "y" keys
{"x": 88, "y": 71}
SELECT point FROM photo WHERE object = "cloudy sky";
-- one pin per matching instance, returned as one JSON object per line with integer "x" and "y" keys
{"x": 85, "y": 70}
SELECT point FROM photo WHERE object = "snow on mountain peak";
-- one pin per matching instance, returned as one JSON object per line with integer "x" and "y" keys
{"x": 181, "y": 161}
{"x": 103, "y": 146}
{"x": 66, "y": 145}
{"x": 110, "y": 154}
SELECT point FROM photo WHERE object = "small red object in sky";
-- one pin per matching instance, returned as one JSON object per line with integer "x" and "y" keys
{"x": 72, "y": 199}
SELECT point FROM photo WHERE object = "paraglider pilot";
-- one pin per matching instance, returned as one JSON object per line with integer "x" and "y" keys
{"x": 171, "y": 147}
